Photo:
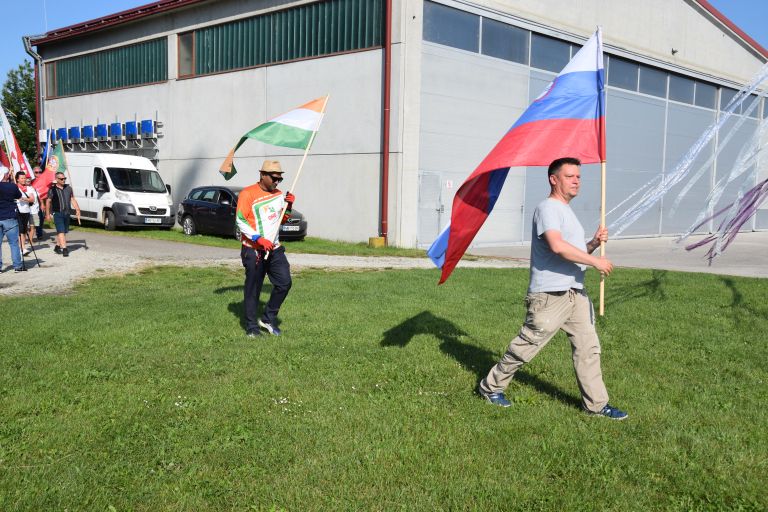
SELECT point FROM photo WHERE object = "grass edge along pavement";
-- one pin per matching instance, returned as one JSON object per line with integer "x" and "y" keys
{"x": 140, "y": 392}
{"x": 310, "y": 245}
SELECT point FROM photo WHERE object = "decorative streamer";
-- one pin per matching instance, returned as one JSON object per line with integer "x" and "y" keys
{"x": 739, "y": 212}
{"x": 683, "y": 168}
{"x": 722, "y": 144}
{"x": 747, "y": 159}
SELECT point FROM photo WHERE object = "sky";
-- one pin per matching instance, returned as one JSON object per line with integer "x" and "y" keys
{"x": 32, "y": 17}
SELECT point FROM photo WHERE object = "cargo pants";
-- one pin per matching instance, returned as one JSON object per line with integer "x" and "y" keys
{"x": 547, "y": 313}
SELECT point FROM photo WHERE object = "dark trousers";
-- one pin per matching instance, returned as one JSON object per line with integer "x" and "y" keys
{"x": 42, "y": 219}
{"x": 256, "y": 267}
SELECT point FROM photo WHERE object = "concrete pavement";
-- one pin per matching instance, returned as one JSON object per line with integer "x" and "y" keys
{"x": 746, "y": 256}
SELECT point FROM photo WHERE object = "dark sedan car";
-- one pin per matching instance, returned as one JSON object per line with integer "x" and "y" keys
{"x": 212, "y": 210}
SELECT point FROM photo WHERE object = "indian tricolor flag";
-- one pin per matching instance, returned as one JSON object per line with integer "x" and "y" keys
{"x": 294, "y": 129}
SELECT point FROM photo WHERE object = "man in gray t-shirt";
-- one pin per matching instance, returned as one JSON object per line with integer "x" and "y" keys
{"x": 556, "y": 297}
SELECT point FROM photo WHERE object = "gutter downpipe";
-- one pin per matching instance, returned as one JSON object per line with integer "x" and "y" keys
{"x": 39, "y": 114}
{"x": 386, "y": 114}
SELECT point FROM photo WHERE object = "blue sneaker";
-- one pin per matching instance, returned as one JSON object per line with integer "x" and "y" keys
{"x": 497, "y": 398}
{"x": 611, "y": 412}
{"x": 271, "y": 329}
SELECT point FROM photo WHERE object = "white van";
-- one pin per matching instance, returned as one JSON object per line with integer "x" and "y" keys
{"x": 119, "y": 190}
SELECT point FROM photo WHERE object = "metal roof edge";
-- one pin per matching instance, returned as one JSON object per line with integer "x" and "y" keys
{"x": 129, "y": 15}
{"x": 704, "y": 4}
{"x": 162, "y": 6}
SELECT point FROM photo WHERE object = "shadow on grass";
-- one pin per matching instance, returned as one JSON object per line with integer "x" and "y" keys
{"x": 478, "y": 360}
{"x": 740, "y": 308}
{"x": 227, "y": 289}
{"x": 238, "y": 308}
{"x": 652, "y": 288}
{"x": 423, "y": 323}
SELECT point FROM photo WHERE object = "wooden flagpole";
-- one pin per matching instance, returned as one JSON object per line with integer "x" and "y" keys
{"x": 303, "y": 159}
{"x": 306, "y": 151}
{"x": 602, "y": 225}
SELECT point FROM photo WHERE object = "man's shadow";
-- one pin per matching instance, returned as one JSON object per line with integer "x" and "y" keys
{"x": 238, "y": 308}
{"x": 476, "y": 359}
{"x": 653, "y": 288}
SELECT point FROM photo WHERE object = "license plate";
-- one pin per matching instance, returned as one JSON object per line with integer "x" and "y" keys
{"x": 290, "y": 228}
{"x": 153, "y": 220}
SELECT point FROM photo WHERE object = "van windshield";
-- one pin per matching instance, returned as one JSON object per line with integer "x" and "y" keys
{"x": 136, "y": 180}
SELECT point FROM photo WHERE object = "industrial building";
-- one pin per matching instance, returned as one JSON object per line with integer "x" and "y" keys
{"x": 420, "y": 91}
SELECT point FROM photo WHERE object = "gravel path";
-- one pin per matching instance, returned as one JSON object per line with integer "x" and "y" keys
{"x": 96, "y": 254}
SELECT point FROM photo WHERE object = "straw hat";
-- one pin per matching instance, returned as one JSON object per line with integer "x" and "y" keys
{"x": 271, "y": 166}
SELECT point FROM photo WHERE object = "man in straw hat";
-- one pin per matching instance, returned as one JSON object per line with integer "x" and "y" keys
{"x": 259, "y": 209}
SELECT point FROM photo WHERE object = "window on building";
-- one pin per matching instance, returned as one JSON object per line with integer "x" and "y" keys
{"x": 575, "y": 49}
{"x": 305, "y": 31}
{"x": 681, "y": 88}
{"x": 726, "y": 96}
{"x": 505, "y": 41}
{"x": 187, "y": 54}
{"x": 125, "y": 66}
{"x": 451, "y": 27}
{"x": 50, "y": 79}
{"x": 622, "y": 73}
{"x": 748, "y": 103}
{"x": 706, "y": 95}
{"x": 548, "y": 53}
{"x": 653, "y": 81}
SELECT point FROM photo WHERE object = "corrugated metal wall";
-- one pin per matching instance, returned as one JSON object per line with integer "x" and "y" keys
{"x": 137, "y": 64}
{"x": 306, "y": 31}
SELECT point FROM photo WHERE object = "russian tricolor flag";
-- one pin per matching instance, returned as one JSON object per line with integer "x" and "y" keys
{"x": 567, "y": 119}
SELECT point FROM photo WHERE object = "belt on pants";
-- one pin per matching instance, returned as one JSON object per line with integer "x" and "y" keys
{"x": 580, "y": 291}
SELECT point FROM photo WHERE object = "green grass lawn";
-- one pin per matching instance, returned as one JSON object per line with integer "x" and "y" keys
{"x": 142, "y": 393}
{"x": 310, "y": 245}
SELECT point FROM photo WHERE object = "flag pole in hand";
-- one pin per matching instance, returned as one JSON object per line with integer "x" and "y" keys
{"x": 301, "y": 165}
{"x": 602, "y": 244}
{"x": 306, "y": 152}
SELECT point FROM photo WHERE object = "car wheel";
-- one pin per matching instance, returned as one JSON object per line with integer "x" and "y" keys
{"x": 188, "y": 225}
{"x": 109, "y": 220}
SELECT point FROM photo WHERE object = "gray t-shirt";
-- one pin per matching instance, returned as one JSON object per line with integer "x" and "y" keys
{"x": 550, "y": 272}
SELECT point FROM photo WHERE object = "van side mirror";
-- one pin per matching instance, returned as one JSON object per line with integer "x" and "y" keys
{"x": 101, "y": 186}
{"x": 168, "y": 188}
